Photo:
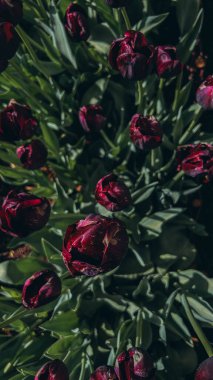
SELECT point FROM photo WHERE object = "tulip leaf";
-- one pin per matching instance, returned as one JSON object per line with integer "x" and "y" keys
{"x": 151, "y": 22}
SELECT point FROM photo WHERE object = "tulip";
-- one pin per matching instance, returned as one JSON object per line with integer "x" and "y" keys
{"x": 204, "y": 94}
{"x": 33, "y": 155}
{"x": 117, "y": 3}
{"x": 167, "y": 63}
{"x": 104, "y": 373}
{"x": 53, "y": 370}
{"x": 205, "y": 370}
{"x": 9, "y": 40}
{"x": 77, "y": 23}
{"x": 145, "y": 132}
{"x": 92, "y": 118}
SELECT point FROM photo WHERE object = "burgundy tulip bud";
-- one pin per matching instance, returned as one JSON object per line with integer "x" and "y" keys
{"x": 77, "y": 23}
{"x": 145, "y": 132}
{"x": 53, "y": 370}
{"x": 104, "y": 373}
{"x": 22, "y": 214}
{"x": 94, "y": 245}
{"x": 204, "y": 94}
{"x": 134, "y": 364}
{"x": 132, "y": 56}
{"x": 11, "y": 10}
{"x": 196, "y": 161}
{"x": 41, "y": 288}
{"x": 9, "y": 40}
{"x": 117, "y": 3}
{"x": 92, "y": 118}
{"x": 112, "y": 193}
{"x": 205, "y": 370}
{"x": 33, "y": 155}
{"x": 167, "y": 63}
{"x": 17, "y": 122}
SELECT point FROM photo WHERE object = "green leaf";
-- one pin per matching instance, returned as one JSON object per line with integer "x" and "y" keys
{"x": 62, "y": 324}
{"x": 187, "y": 11}
{"x": 150, "y": 22}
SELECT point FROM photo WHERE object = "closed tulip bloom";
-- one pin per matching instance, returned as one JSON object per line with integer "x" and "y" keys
{"x": 33, "y": 155}
{"x": 94, "y": 245}
{"x": 11, "y": 10}
{"x": 167, "y": 63}
{"x": 117, "y": 3}
{"x": 53, "y": 370}
{"x": 92, "y": 118}
{"x": 17, "y": 122}
{"x": 22, "y": 214}
{"x": 134, "y": 364}
{"x": 145, "y": 132}
{"x": 9, "y": 40}
{"x": 77, "y": 23}
{"x": 41, "y": 288}
{"x": 205, "y": 370}
{"x": 112, "y": 193}
{"x": 204, "y": 94}
{"x": 104, "y": 373}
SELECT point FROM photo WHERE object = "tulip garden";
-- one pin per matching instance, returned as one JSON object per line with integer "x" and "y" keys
{"x": 106, "y": 183}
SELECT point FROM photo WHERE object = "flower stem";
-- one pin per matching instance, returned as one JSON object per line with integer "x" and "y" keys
{"x": 199, "y": 332}
{"x": 188, "y": 132}
{"x": 139, "y": 329}
{"x": 140, "y": 97}
{"x": 176, "y": 179}
{"x": 126, "y": 18}
{"x": 107, "y": 140}
{"x": 177, "y": 91}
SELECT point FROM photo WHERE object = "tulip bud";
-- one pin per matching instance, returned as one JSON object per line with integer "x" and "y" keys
{"x": 94, "y": 245}
{"x": 104, "y": 373}
{"x": 11, "y": 10}
{"x": 117, "y": 3}
{"x": 53, "y": 370}
{"x": 92, "y": 118}
{"x": 145, "y": 132}
{"x": 112, "y": 193}
{"x": 132, "y": 56}
{"x": 205, "y": 370}
{"x": 33, "y": 155}
{"x": 22, "y": 214}
{"x": 167, "y": 64}
{"x": 77, "y": 23}
{"x": 134, "y": 364}
{"x": 9, "y": 41}
{"x": 17, "y": 122}
{"x": 41, "y": 288}
{"x": 204, "y": 94}
{"x": 196, "y": 161}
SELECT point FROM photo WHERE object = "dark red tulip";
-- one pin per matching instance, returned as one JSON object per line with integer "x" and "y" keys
{"x": 33, "y": 155}
{"x": 3, "y": 66}
{"x": 167, "y": 63}
{"x": 77, "y": 23}
{"x": 196, "y": 161}
{"x": 41, "y": 288}
{"x": 134, "y": 364}
{"x": 11, "y": 10}
{"x": 112, "y": 193}
{"x": 53, "y": 370}
{"x": 104, "y": 373}
{"x": 22, "y": 214}
{"x": 94, "y": 245}
{"x": 9, "y": 41}
{"x": 92, "y": 118}
{"x": 132, "y": 56}
{"x": 117, "y": 3}
{"x": 145, "y": 132}
{"x": 205, "y": 370}
{"x": 204, "y": 94}
{"x": 17, "y": 122}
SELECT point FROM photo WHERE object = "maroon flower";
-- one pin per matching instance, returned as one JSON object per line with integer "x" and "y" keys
{"x": 92, "y": 118}
{"x": 167, "y": 63}
{"x": 117, "y": 3}
{"x": 17, "y": 122}
{"x": 145, "y": 132}
{"x": 33, "y": 155}
{"x": 94, "y": 245}
{"x": 104, "y": 373}
{"x": 9, "y": 41}
{"x": 22, "y": 214}
{"x": 134, "y": 364}
{"x": 112, "y": 193}
{"x": 11, "y": 10}
{"x": 3, "y": 66}
{"x": 132, "y": 56}
{"x": 41, "y": 288}
{"x": 196, "y": 161}
{"x": 53, "y": 370}
{"x": 205, "y": 370}
{"x": 204, "y": 95}
{"x": 77, "y": 23}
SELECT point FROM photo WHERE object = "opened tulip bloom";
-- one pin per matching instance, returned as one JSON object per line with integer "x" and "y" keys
{"x": 145, "y": 132}
{"x": 132, "y": 55}
{"x": 77, "y": 23}
{"x": 117, "y": 3}
{"x": 33, "y": 155}
{"x": 22, "y": 214}
{"x": 92, "y": 118}
{"x": 53, "y": 370}
{"x": 17, "y": 122}
{"x": 135, "y": 364}
{"x": 205, "y": 370}
{"x": 204, "y": 94}
{"x": 94, "y": 245}
{"x": 112, "y": 193}
{"x": 104, "y": 373}
{"x": 41, "y": 288}
{"x": 167, "y": 63}
{"x": 11, "y": 10}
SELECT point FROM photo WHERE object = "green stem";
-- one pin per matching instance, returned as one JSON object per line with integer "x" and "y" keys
{"x": 21, "y": 312}
{"x": 140, "y": 97}
{"x": 107, "y": 140}
{"x": 188, "y": 132}
{"x": 177, "y": 91}
{"x": 126, "y": 18}
{"x": 83, "y": 367}
{"x": 176, "y": 179}
{"x": 199, "y": 332}
{"x": 139, "y": 329}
